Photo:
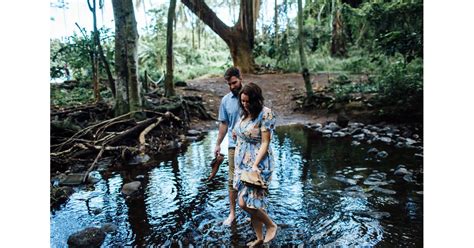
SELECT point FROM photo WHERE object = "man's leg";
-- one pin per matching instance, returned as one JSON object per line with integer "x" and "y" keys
{"x": 232, "y": 191}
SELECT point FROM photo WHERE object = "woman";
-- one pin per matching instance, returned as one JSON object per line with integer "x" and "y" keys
{"x": 253, "y": 153}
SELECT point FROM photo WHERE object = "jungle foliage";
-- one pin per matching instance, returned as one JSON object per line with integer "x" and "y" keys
{"x": 384, "y": 41}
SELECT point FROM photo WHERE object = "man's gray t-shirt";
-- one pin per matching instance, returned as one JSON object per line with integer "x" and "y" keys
{"x": 229, "y": 112}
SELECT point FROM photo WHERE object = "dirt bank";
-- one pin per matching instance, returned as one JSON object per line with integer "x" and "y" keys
{"x": 279, "y": 91}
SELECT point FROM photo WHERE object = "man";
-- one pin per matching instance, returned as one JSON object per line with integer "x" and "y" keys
{"x": 229, "y": 112}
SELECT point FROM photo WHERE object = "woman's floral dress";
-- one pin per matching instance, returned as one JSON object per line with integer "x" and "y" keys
{"x": 249, "y": 140}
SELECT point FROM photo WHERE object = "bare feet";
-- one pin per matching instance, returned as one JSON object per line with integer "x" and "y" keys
{"x": 271, "y": 233}
{"x": 255, "y": 243}
{"x": 229, "y": 220}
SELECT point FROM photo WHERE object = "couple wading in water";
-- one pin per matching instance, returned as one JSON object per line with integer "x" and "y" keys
{"x": 249, "y": 126}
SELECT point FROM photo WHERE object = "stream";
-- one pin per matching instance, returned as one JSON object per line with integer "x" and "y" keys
{"x": 324, "y": 192}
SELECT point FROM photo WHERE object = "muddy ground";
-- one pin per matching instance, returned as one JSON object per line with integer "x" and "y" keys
{"x": 279, "y": 90}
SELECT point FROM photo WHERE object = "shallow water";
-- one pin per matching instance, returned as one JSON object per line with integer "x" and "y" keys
{"x": 324, "y": 192}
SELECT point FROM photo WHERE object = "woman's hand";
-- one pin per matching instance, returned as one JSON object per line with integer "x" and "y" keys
{"x": 255, "y": 168}
{"x": 234, "y": 135}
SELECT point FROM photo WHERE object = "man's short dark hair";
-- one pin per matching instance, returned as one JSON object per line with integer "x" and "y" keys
{"x": 232, "y": 72}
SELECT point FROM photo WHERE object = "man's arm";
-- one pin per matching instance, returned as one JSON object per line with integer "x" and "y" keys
{"x": 222, "y": 132}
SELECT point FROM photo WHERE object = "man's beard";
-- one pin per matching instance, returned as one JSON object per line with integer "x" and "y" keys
{"x": 235, "y": 92}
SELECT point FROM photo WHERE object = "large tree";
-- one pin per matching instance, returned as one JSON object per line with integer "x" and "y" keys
{"x": 128, "y": 90}
{"x": 169, "y": 86}
{"x": 240, "y": 37}
{"x": 303, "y": 61}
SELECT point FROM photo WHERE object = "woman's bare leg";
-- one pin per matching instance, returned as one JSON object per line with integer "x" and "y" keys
{"x": 260, "y": 216}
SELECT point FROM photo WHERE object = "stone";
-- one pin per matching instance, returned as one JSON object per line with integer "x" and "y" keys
{"x": 345, "y": 180}
{"x": 359, "y": 136}
{"x": 355, "y": 143}
{"x": 357, "y": 177}
{"x": 316, "y": 125}
{"x": 356, "y": 131}
{"x": 401, "y": 172}
{"x": 385, "y": 139}
{"x": 130, "y": 188}
{"x": 373, "y": 151}
{"x": 385, "y": 191}
{"x": 338, "y": 134}
{"x": 89, "y": 237}
{"x": 59, "y": 195}
{"x": 332, "y": 126}
{"x": 400, "y": 145}
{"x": 97, "y": 211}
{"x": 109, "y": 228}
{"x": 418, "y": 155}
{"x": 193, "y": 132}
{"x": 408, "y": 178}
{"x": 375, "y": 215}
{"x": 327, "y": 131}
{"x": 381, "y": 154}
{"x": 410, "y": 142}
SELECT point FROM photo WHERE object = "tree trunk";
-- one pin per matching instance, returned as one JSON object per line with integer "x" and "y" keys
{"x": 95, "y": 62}
{"x": 128, "y": 90}
{"x": 240, "y": 37}
{"x": 169, "y": 86}
{"x": 100, "y": 51}
{"x": 338, "y": 39}
{"x": 192, "y": 34}
{"x": 198, "y": 23}
{"x": 276, "y": 23}
{"x": 304, "y": 63}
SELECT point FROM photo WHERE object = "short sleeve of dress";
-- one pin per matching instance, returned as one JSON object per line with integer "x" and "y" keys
{"x": 268, "y": 121}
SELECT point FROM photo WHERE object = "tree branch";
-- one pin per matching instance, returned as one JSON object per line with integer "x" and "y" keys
{"x": 201, "y": 10}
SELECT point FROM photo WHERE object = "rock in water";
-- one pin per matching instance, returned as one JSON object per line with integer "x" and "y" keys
{"x": 401, "y": 172}
{"x": 130, "y": 188}
{"x": 89, "y": 237}
{"x": 373, "y": 151}
{"x": 109, "y": 228}
{"x": 382, "y": 154}
{"x": 345, "y": 180}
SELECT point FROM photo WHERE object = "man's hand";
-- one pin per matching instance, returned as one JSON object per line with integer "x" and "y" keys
{"x": 217, "y": 150}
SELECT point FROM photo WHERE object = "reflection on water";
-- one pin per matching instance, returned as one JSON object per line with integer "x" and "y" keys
{"x": 324, "y": 192}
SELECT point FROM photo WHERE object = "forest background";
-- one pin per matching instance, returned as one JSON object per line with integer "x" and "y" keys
{"x": 443, "y": 67}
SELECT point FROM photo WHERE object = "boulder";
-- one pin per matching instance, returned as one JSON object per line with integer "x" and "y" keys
{"x": 130, "y": 188}
{"x": 89, "y": 237}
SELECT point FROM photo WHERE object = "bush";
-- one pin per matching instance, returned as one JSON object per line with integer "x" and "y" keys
{"x": 401, "y": 88}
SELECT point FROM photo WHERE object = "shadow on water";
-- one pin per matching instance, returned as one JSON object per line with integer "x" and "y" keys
{"x": 324, "y": 191}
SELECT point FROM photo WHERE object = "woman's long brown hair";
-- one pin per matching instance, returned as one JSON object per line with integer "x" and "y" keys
{"x": 254, "y": 92}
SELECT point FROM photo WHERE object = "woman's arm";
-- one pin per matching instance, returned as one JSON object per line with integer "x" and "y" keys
{"x": 263, "y": 149}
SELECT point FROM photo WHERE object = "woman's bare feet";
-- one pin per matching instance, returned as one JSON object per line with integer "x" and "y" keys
{"x": 229, "y": 220}
{"x": 255, "y": 243}
{"x": 271, "y": 233}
